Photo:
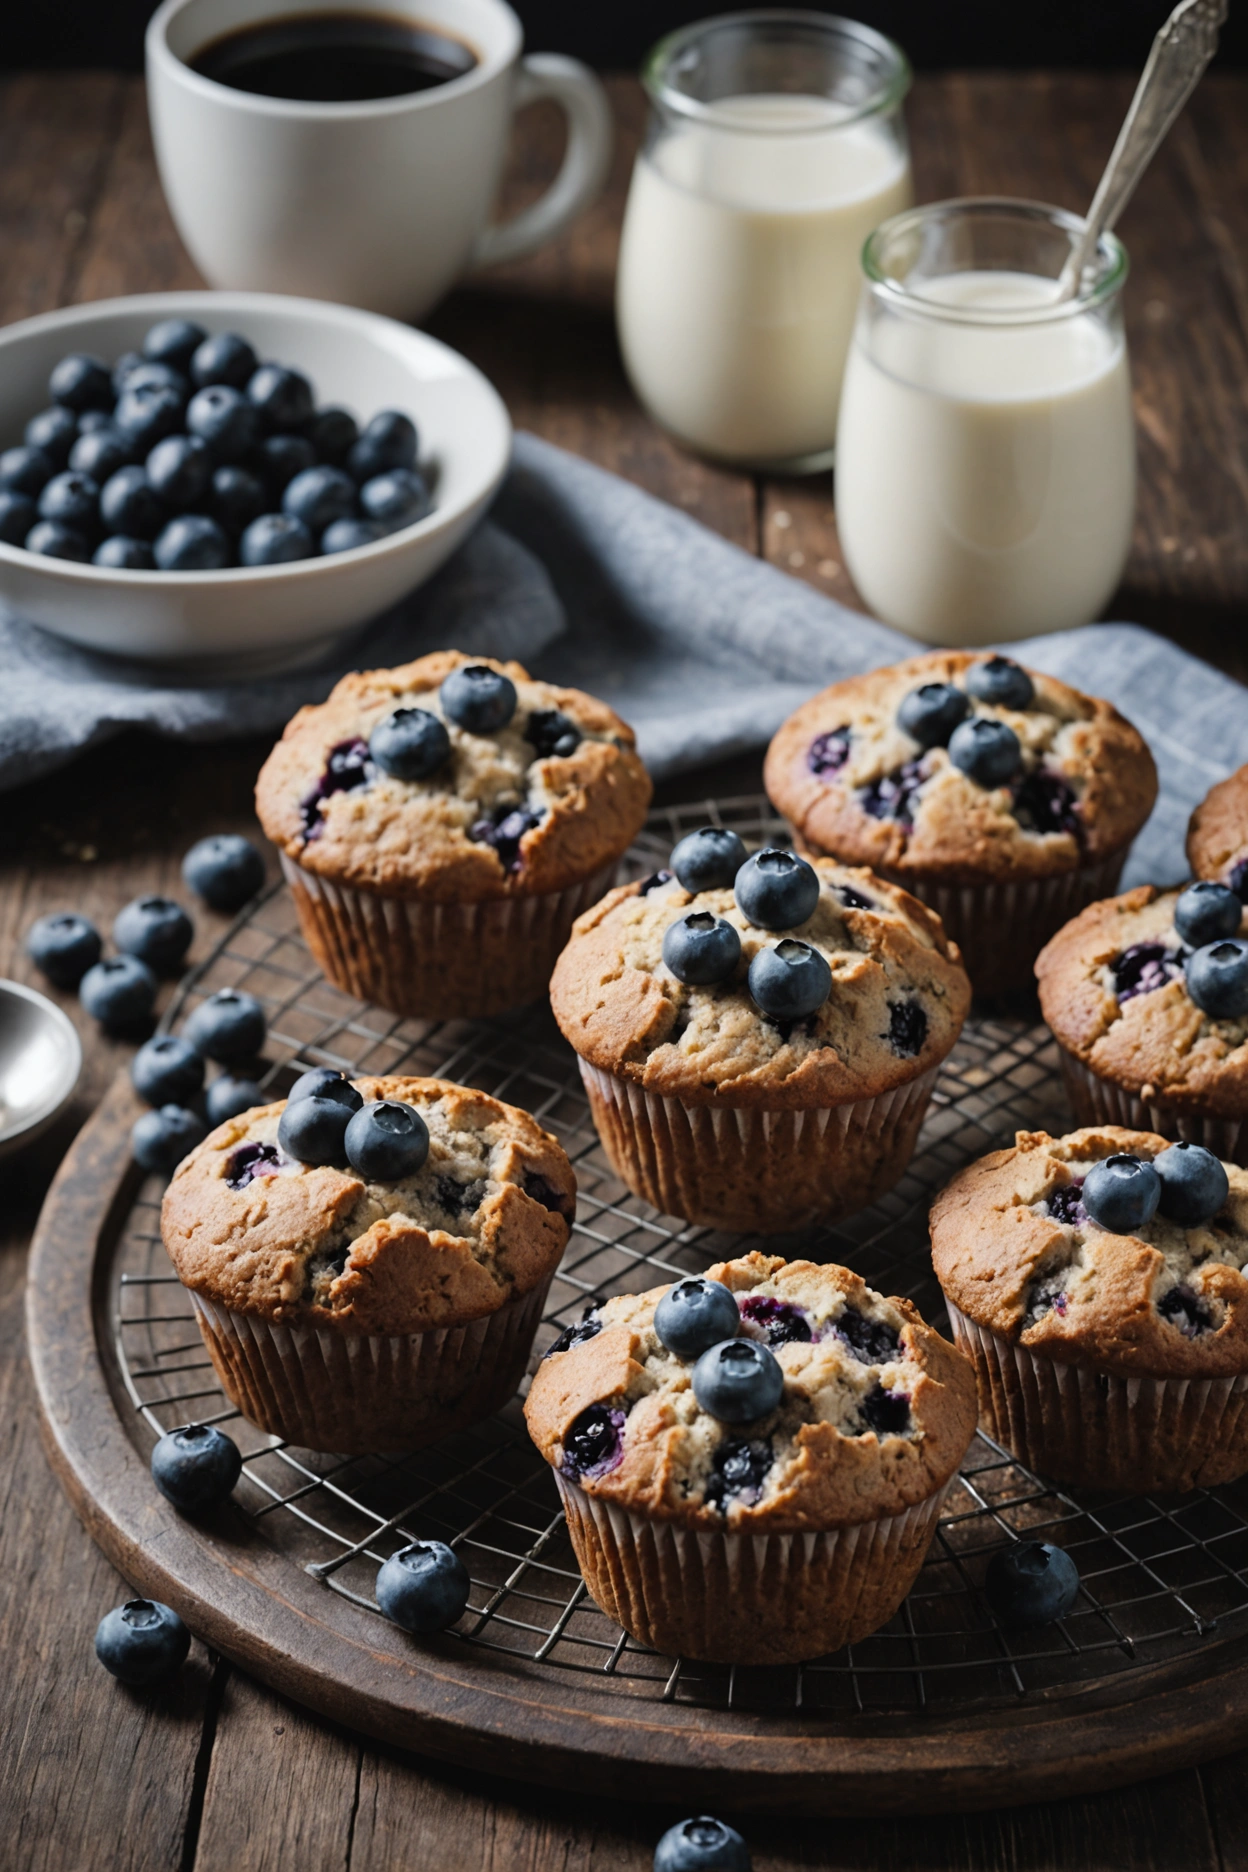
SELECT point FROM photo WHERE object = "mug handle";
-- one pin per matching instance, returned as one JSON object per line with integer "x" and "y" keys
{"x": 584, "y": 169}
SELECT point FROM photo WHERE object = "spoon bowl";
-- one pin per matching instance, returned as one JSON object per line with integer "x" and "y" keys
{"x": 40, "y": 1059}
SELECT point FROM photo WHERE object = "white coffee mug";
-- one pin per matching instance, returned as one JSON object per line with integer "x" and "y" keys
{"x": 382, "y": 203}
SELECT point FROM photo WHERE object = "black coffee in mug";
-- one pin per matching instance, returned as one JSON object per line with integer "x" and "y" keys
{"x": 334, "y": 58}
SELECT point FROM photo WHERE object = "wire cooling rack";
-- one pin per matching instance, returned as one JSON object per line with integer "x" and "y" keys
{"x": 1158, "y": 1575}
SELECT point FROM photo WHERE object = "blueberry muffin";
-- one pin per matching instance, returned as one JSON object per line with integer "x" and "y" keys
{"x": 1001, "y": 797}
{"x": 1096, "y": 1281}
{"x": 1217, "y": 834}
{"x": 368, "y": 1262}
{"x": 752, "y": 1462}
{"x": 1147, "y": 996}
{"x": 758, "y": 1036}
{"x": 442, "y": 824}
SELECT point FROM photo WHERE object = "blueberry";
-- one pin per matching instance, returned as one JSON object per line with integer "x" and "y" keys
{"x": 128, "y": 505}
{"x": 124, "y": 554}
{"x": 872, "y": 1342}
{"x": 283, "y": 397}
{"x": 738, "y": 1381}
{"x": 275, "y": 539}
{"x": 167, "y": 1070}
{"x": 780, "y": 1322}
{"x": 1143, "y": 967}
{"x": 147, "y": 375}
{"x": 174, "y": 341}
{"x": 326, "y": 1082}
{"x": 388, "y": 441}
{"x": 63, "y": 947}
{"x": 91, "y": 421}
{"x": 313, "y": 1131}
{"x": 387, "y": 1141}
{"x": 986, "y": 750}
{"x": 141, "y": 1642}
{"x": 53, "y": 432}
{"x": 281, "y": 457}
{"x": 161, "y": 1139}
{"x": 593, "y": 1443}
{"x": 477, "y": 698}
{"x": 907, "y": 1028}
{"x": 229, "y": 1025}
{"x": 228, "y": 1097}
{"x": 1121, "y": 1194}
{"x": 332, "y": 433}
{"x": 345, "y": 535}
{"x": 776, "y": 889}
{"x": 1001, "y": 682}
{"x": 708, "y": 859}
{"x": 81, "y": 382}
{"x": 396, "y": 499}
{"x": 57, "y": 541}
{"x": 702, "y": 1845}
{"x": 225, "y": 870}
{"x": 146, "y": 412}
{"x": 191, "y": 543}
{"x": 738, "y": 1468}
{"x": 930, "y": 713}
{"x": 701, "y": 949}
{"x": 424, "y": 1587}
{"x": 26, "y": 470}
{"x": 179, "y": 470}
{"x": 587, "y": 1327}
{"x": 790, "y": 980}
{"x": 119, "y": 993}
{"x": 1031, "y": 1583}
{"x": 124, "y": 368}
{"x": 237, "y": 497}
{"x": 99, "y": 454}
{"x": 224, "y": 421}
{"x": 695, "y": 1315}
{"x": 552, "y": 734}
{"x": 1206, "y": 912}
{"x": 1217, "y": 979}
{"x": 72, "y": 500}
{"x": 828, "y": 752}
{"x": 886, "y": 1412}
{"x": 1194, "y": 1184}
{"x": 411, "y": 744}
{"x": 319, "y": 496}
{"x": 17, "y": 516}
{"x": 155, "y": 929}
{"x": 224, "y": 358}
{"x": 196, "y": 1468}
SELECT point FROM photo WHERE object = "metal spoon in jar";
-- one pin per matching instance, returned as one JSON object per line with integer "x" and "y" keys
{"x": 1180, "y": 53}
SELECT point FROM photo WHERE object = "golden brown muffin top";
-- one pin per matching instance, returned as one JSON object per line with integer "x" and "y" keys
{"x": 1014, "y": 1250}
{"x": 876, "y": 1414}
{"x": 484, "y": 1221}
{"x": 855, "y": 784}
{"x": 1217, "y": 833}
{"x": 496, "y": 820}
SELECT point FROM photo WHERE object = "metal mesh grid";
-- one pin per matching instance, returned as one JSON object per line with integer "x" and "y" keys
{"x": 1158, "y": 1575}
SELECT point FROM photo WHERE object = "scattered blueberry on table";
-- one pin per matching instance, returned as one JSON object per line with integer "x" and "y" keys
{"x": 424, "y": 1587}
{"x": 63, "y": 947}
{"x": 141, "y": 1642}
{"x": 161, "y": 1139}
{"x": 119, "y": 992}
{"x": 702, "y": 1844}
{"x": 229, "y": 1025}
{"x": 225, "y": 870}
{"x": 228, "y": 1096}
{"x": 196, "y": 1467}
{"x": 167, "y": 1070}
{"x": 1031, "y": 1583}
{"x": 156, "y": 929}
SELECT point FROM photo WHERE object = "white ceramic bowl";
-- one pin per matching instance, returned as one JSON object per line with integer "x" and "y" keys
{"x": 245, "y": 619}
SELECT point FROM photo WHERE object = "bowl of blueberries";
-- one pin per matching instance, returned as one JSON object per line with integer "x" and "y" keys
{"x": 229, "y": 482}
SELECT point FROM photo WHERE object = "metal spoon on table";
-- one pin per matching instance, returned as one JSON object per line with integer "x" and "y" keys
{"x": 1180, "y": 53}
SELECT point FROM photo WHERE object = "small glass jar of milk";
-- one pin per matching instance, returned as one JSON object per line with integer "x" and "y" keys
{"x": 985, "y": 469}
{"x": 776, "y": 143}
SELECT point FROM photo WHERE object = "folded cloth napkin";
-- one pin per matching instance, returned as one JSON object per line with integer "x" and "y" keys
{"x": 703, "y": 648}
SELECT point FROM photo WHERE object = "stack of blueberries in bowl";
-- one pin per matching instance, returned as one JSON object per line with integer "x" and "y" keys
{"x": 194, "y": 455}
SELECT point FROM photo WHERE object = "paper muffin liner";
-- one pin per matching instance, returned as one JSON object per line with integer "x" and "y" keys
{"x": 1099, "y": 1431}
{"x": 439, "y": 961}
{"x": 1098, "y": 1101}
{"x": 352, "y": 1393}
{"x": 734, "y": 1167}
{"x": 745, "y": 1598}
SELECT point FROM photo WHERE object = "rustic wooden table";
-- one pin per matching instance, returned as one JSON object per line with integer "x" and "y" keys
{"x": 218, "y": 1773}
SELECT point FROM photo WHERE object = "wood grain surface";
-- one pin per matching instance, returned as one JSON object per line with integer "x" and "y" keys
{"x": 220, "y": 1772}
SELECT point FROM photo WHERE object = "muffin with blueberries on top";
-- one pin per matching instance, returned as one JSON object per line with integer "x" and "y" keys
{"x": 758, "y": 1036}
{"x": 1217, "y": 834}
{"x": 752, "y": 1461}
{"x": 1147, "y": 997}
{"x": 1097, "y": 1283}
{"x": 1003, "y": 798}
{"x": 442, "y": 824}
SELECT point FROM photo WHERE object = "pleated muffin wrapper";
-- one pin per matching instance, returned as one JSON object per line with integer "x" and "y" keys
{"x": 1098, "y": 1101}
{"x": 737, "y": 1167}
{"x": 353, "y": 1393}
{"x": 745, "y": 1598}
{"x": 439, "y": 961}
{"x": 1096, "y": 1430}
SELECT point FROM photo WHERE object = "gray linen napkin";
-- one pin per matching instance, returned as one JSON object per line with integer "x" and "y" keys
{"x": 703, "y": 648}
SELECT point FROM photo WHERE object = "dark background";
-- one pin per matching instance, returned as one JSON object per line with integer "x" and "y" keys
{"x": 936, "y": 33}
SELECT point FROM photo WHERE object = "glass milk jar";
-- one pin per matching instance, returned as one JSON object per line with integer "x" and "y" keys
{"x": 985, "y": 471}
{"x": 776, "y": 143}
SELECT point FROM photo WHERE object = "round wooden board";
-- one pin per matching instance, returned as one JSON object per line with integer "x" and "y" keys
{"x": 483, "y": 1711}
